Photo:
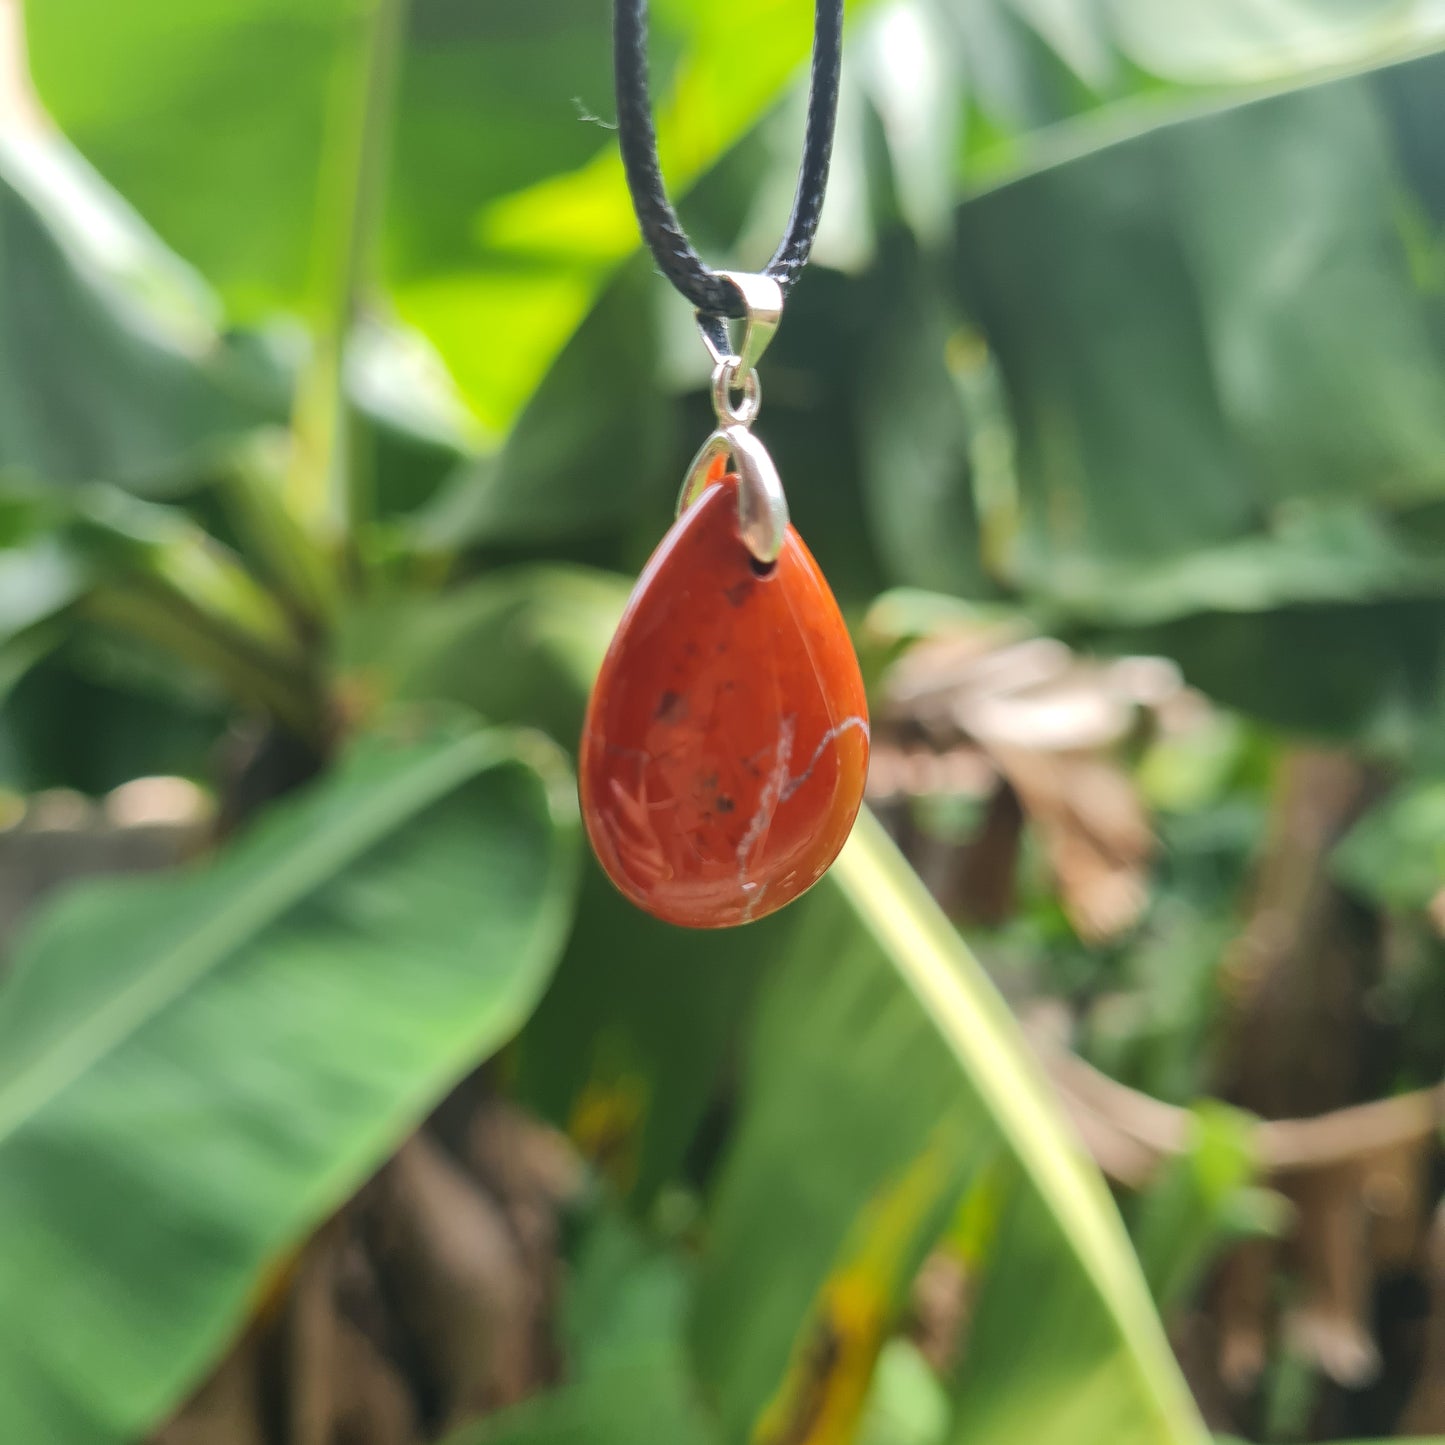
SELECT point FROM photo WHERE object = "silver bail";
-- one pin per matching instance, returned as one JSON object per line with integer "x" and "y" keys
{"x": 762, "y": 311}
{"x": 762, "y": 507}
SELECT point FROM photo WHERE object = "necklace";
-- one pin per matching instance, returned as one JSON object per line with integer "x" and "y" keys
{"x": 726, "y": 740}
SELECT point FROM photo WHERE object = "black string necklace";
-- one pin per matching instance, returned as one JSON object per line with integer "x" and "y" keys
{"x": 712, "y": 294}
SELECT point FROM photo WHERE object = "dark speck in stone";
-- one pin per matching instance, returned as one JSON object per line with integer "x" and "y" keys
{"x": 725, "y": 804}
{"x": 671, "y": 707}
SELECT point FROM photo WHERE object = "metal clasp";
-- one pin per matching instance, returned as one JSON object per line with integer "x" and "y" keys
{"x": 762, "y": 311}
{"x": 762, "y": 507}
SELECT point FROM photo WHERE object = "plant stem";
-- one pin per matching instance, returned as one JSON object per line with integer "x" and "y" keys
{"x": 325, "y": 491}
{"x": 147, "y": 608}
{"x": 296, "y": 568}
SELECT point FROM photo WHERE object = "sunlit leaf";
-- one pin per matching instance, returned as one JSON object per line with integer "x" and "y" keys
{"x": 507, "y": 210}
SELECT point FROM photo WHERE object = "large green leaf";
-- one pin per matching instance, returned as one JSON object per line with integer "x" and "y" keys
{"x": 1373, "y": 672}
{"x": 519, "y": 646}
{"x": 106, "y": 372}
{"x": 886, "y": 1081}
{"x": 1179, "y": 319}
{"x": 583, "y": 449}
{"x": 194, "y": 1070}
{"x": 1045, "y": 80}
{"x": 974, "y": 93}
{"x": 83, "y": 718}
{"x": 635, "y": 1040}
{"x": 914, "y": 433}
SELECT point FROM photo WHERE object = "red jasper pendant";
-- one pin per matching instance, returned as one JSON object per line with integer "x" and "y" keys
{"x": 726, "y": 741}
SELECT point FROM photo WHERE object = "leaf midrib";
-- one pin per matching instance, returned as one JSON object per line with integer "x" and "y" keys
{"x": 1057, "y": 144}
{"x": 294, "y": 874}
{"x": 987, "y": 1061}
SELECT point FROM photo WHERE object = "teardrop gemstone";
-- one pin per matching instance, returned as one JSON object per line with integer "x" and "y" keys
{"x": 726, "y": 741}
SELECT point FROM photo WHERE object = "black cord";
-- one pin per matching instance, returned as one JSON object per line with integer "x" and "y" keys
{"x": 711, "y": 294}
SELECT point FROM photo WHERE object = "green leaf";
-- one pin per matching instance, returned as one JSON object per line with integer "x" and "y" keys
{"x": 195, "y": 1070}
{"x": 628, "y": 1378}
{"x": 1304, "y": 553}
{"x": 907, "y": 1404}
{"x": 1046, "y": 81}
{"x": 519, "y": 646}
{"x": 97, "y": 555}
{"x": 1395, "y": 854}
{"x": 581, "y": 453}
{"x": 82, "y": 718}
{"x": 120, "y": 81}
{"x": 648, "y": 1398}
{"x": 36, "y": 582}
{"x": 1369, "y": 672}
{"x": 885, "y": 1080}
{"x": 632, "y": 1043}
{"x": 109, "y": 371}
{"x": 1199, "y": 1200}
{"x": 624, "y": 1294}
{"x": 1179, "y": 320}
{"x": 913, "y": 425}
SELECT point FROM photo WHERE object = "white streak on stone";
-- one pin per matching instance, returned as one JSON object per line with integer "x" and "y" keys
{"x": 832, "y": 735}
{"x": 767, "y": 805}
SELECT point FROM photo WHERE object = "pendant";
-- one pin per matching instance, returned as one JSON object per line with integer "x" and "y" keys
{"x": 725, "y": 747}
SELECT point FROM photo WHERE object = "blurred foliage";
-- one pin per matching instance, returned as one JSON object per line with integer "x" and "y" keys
{"x": 332, "y": 391}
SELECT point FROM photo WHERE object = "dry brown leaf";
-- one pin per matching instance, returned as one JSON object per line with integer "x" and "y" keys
{"x": 1424, "y": 1414}
{"x": 308, "y": 1333}
{"x": 1095, "y": 831}
{"x": 228, "y": 1407}
{"x": 1243, "y": 1309}
{"x": 1195, "y": 1340}
{"x": 1393, "y": 1188}
{"x": 454, "y": 1274}
{"x": 372, "y": 1403}
{"x": 941, "y": 1305}
{"x": 1299, "y": 970}
{"x": 1329, "y": 1323}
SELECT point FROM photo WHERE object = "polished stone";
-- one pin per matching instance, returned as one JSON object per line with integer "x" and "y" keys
{"x": 726, "y": 742}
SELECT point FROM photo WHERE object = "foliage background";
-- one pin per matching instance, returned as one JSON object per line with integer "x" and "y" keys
{"x": 336, "y": 406}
